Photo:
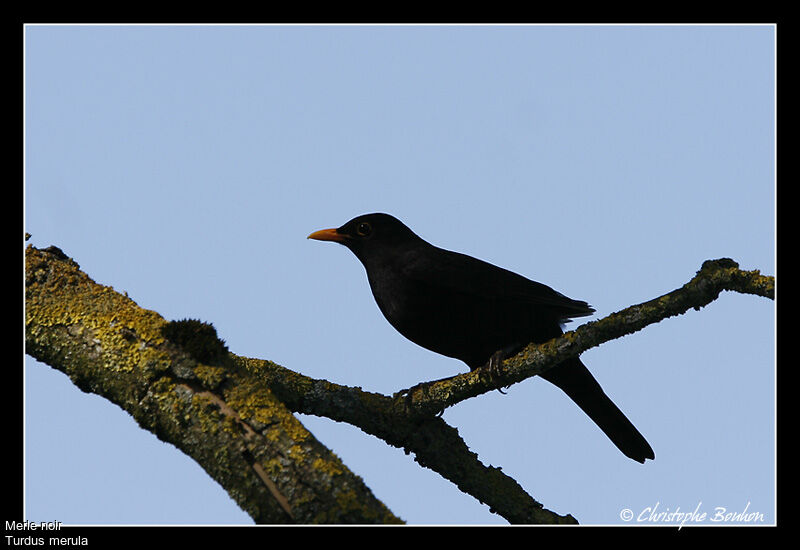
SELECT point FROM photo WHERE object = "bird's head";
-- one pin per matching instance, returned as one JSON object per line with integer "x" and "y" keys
{"x": 369, "y": 235}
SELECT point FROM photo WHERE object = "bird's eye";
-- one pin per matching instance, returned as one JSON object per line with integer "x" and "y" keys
{"x": 363, "y": 229}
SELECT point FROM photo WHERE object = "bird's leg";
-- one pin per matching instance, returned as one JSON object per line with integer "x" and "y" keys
{"x": 494, "y": 366}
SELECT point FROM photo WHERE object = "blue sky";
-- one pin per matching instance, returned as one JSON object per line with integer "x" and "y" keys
{"x": 185, "y": 165}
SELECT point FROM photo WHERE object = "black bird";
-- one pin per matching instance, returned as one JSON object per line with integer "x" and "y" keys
{"x": 471, "y": 310}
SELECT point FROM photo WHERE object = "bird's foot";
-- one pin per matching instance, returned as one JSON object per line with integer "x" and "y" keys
{"x": 494, "y": 367}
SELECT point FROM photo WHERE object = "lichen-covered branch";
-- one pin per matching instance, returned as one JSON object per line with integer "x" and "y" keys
{"x": 230, "y": 412}
{"x": 217, "y": 413}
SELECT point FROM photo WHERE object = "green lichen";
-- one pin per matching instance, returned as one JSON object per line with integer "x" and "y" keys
{"x": 211, "y": 377}
{"x": 328, "y": 467}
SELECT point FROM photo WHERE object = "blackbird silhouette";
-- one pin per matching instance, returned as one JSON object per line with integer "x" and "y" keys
{"x": 468, "y": 309}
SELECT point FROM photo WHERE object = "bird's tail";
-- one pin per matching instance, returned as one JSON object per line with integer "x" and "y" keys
{"x": 579, "y": 384}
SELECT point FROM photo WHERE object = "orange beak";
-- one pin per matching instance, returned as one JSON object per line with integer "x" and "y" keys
{"x": 328, "y": 235}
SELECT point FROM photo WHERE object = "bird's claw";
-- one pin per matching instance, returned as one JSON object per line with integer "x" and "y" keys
{"x": 494, "y": 367}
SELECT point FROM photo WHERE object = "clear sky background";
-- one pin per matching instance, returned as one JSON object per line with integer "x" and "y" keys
{"x": 185, "y": 165}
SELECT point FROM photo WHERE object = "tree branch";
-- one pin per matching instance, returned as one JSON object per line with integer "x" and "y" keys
{"x": 110, "y": 346}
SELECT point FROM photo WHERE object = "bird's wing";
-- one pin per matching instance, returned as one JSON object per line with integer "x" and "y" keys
{"x": 456, "y": 272}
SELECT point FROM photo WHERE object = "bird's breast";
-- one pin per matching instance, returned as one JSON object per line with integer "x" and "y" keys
{"x": 442, "y": 320}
